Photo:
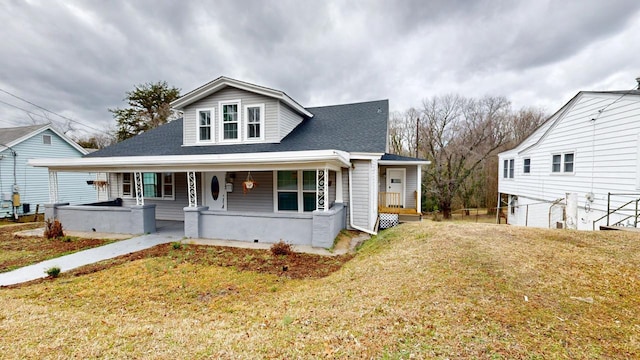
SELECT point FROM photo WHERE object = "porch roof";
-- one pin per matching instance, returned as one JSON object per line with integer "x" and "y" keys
{"x": 333, "y": 159}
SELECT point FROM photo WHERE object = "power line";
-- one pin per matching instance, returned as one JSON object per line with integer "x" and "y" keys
{"x": 45, "y": 109}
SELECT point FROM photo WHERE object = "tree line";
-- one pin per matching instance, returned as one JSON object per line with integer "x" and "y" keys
{"x": 461, "y": 137}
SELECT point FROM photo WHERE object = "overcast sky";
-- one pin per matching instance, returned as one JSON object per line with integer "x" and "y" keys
{"x": 78, "y": 58}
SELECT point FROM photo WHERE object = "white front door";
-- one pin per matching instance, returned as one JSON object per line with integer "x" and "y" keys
{"x": 396, "y": 187}
{"x": 215, "y": 195}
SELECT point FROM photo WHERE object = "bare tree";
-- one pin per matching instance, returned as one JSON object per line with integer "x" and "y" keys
{"x": 459, "y": 134}
{"x": 403, "y": 131}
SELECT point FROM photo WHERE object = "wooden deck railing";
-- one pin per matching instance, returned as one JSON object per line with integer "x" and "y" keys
{"x": 389, "y": 200}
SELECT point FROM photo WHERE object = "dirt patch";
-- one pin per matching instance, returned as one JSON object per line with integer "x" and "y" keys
{"x": 293, "y": 266}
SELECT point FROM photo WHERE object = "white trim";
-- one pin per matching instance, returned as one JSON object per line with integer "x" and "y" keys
{"x": 221, "y": 105}
{"x": 562, "y": 155}
{"x": 339, "y": 195}
{"x": 260, "y": 123}
{"x": 273, "y": 159}
{"x": 366, "y": 156}
{"x": 222, "y": 82}
{"x": 419, "y": 190}
{"x": 300, "y": 191}
{"x": 212, "y": 125}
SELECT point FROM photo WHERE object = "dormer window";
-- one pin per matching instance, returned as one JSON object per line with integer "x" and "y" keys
{"x": 254, "y": 115}
{"x": 205, "y": 125}
{"x": 230, "y": 119}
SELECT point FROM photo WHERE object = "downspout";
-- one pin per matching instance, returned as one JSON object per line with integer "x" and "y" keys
{"x": 351, "y": 207}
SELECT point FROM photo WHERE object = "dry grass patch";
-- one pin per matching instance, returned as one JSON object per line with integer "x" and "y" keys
{"x": 16, "y": 252}
{"x": 421, "y": 290}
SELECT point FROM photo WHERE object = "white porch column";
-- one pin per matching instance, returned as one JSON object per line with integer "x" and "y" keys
{"x": 53, "y": 187}
{"x": 193, "y": 191}
{"x": 322, "y": 189}
{"x": 339, "y": 197}
{"x": 137, "y": 176}
{"x": 419, "y": 190}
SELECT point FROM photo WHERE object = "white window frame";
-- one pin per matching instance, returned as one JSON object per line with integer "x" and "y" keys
{"x": 300, "y": 191}
{"x": 221, "y": 105}
{"x": 563, "y": 163}
{"x": 260, "y": 122}
{"x": 46, "y": 136}
{"x": 212, "y": 122}
{"x": 508, "y": 168}
{"x": 160, "y": 186}
{"x": 526, "y": 170}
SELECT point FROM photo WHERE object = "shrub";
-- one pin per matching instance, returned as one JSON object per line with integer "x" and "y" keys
{"x": 53, "y": 229}
{"x": 281, "y": 248}
{"x": 176, "y": 245}
{"x": 53, "y": 271}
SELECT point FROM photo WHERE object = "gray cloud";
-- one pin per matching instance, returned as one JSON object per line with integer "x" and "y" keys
{"x": 79, "y": 58}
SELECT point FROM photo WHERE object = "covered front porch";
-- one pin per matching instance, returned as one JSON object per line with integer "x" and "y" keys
{"x": 300, "y": 202}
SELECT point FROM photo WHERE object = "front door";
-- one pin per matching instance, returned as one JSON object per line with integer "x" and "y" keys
{"x": 396, "y": 187}
{"x": 215, "y": 196}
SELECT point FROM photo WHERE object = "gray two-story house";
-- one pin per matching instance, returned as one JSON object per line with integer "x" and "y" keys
{"x": 247, "y": 162}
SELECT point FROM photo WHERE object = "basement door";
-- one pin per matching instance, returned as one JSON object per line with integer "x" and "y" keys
{"x": 215, "y": 195}
{"x": 396, "y": 179}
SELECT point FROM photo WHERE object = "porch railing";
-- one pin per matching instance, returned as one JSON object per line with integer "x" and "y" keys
{"x": 389, "y": 199}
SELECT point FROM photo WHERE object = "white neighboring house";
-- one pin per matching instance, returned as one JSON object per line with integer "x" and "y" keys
{"x": 580, "y": 169}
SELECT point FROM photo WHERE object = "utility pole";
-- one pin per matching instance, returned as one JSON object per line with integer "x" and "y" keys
{"x": 417, "y": 134}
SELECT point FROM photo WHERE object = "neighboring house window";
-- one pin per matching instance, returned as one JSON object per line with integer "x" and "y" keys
{"x": 154, "y": 185}
{"x": 568, "y": 162}
{"x": 254, "y": 115}
{"x": 293, "y": 195}
{"x": 126, "y": 184}
{"x": 46, "y": 139}
{"x": 511, "y": 168}
{"x": 527, "y": 166}
{"x": 562, "y": 162}
{"x": 508, "y": 169}
{"x": 230, "y": 119}
{"x": 204, "y": 125}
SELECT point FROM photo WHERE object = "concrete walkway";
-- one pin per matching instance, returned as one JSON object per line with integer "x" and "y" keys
{"x": 168, "y": 231}
{"x": 85, "y": 257}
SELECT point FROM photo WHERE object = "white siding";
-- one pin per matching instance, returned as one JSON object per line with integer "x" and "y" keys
{"x": 605, "y": 155}
{"x": 410, "y": 182}
{"x": 34, "y": 182}
{"x": 288, "y": 120}
{"x": 247, "y": 98}
{"x": 361, "y": 181}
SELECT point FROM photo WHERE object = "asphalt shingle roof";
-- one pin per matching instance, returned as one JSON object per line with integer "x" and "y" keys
{"x": 359, "y": 127}
{"x": 8, "y": 135}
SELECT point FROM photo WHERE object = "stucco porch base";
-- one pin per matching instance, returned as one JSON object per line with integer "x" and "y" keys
{"x": 317, "y": 229}
{"x": 135, "y": 219}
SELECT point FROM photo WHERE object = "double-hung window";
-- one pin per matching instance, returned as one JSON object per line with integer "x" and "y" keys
{"x": 508, "y": 169}
{"x": 254, "y": 117}
{"x": 154, "y": 185}
{"x": 230, "y": 129}
{"x": 296, "y": 190}
{"x": 205, "y": 125}
{"x": 562, "y": 163}
{"x": 527, "y": 166}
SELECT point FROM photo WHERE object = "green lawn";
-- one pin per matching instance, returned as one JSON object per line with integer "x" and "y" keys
{"x": 421, "y": 290}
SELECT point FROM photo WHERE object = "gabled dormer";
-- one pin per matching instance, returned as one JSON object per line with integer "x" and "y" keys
{"x": 229, "y": 111}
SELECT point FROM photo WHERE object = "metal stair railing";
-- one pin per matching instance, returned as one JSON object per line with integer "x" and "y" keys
{"x": 635, "y": 215}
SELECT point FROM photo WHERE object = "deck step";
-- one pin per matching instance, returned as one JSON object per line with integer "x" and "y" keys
{"x": 409, "y": 217}
{"x": 620, "y": 228}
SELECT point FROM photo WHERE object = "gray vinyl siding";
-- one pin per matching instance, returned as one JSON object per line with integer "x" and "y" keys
{"x": 332, "y": 187}
{"x": 361, "y": 181}
{"x": 260, "y": 199}
{"x": 190, "y": 135}
{"x": 410, "y": 183}
{"x": 34, "y": 182}
{"x": 606, "y": 155}
{"x": 288, "y": 120}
